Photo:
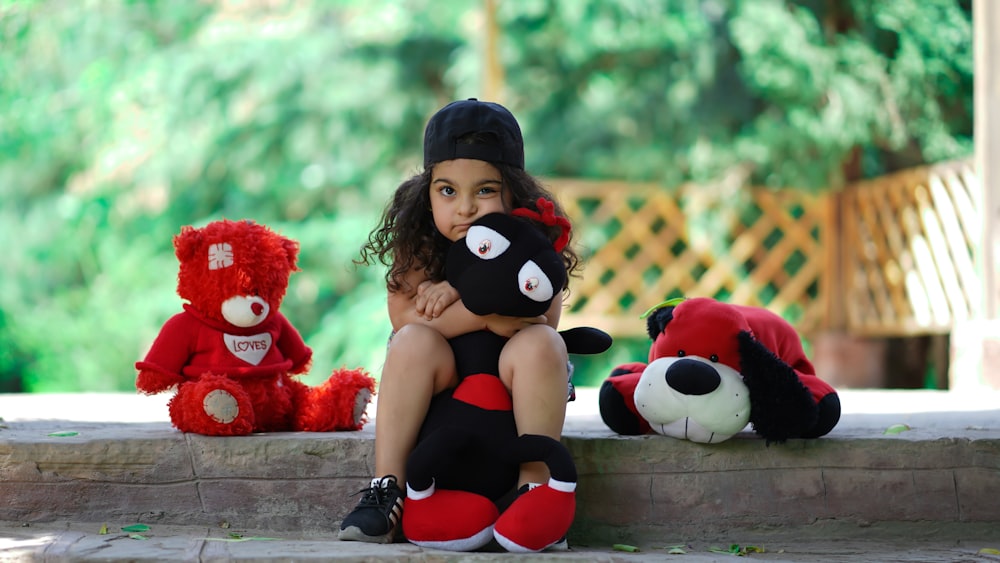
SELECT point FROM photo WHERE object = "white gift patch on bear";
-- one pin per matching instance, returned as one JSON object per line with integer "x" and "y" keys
{"x": 220, "y": 256}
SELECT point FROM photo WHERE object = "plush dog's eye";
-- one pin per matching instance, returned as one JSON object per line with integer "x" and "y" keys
{"x": 714, "y": 357}
{"x": 681, "y": 353}
{"x": 485, "y": 243}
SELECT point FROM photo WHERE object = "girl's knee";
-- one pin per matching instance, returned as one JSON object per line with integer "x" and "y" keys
{"x": 418, "y": 352}
{"x": 539, "y": 339}
{"x": 539, "y": 348}
{"x": 416, "y": 339}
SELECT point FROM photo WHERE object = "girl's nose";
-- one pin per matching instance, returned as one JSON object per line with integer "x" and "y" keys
{"x": 467, "y": 206}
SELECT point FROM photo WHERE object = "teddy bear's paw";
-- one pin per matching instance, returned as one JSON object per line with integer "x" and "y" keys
{"x": 214, "y": 406}
{"x": 538, "y": 519}
{"x": 150, "y": 382}
{"x": 448, "y": 520}
{"x": 339, "y": 403}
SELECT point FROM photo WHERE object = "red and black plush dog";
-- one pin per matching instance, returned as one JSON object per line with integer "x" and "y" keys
{"x": 715, "y": 367}
{"x": 468, "y": 452}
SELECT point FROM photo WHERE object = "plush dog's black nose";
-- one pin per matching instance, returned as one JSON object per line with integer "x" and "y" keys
{"x": 692, "y": 377}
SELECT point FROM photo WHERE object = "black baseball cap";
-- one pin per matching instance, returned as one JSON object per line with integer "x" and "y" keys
{"x": 460, "y": 118}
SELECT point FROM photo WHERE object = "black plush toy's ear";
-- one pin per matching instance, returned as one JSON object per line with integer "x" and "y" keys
{"x": 781, "y": 407}
{"x": 658, "y": 320}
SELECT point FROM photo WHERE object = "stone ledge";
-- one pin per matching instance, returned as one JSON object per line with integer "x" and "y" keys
{"x": 945, "y": 471}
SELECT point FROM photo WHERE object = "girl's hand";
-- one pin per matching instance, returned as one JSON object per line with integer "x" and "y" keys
{"x": 433, "y": 298}
{"x": 509, "y": 326}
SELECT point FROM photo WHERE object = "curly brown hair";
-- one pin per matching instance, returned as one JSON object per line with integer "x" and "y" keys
{"x": 406, "y": 237}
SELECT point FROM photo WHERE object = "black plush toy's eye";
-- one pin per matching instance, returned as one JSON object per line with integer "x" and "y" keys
{"x": 681, "y": 353}
{"x": 714, "y": 357}
{"x": 535, "y": 285}
{"x": 484, "y": 242}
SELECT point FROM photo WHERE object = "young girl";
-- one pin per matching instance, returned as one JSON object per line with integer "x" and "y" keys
{"x": 473, "y": 165}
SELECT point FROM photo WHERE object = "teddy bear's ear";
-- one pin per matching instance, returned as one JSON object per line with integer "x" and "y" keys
{"x": 187, "y": 243}
{"x": 292, "y": 251}
{"x": 658, "y": 320}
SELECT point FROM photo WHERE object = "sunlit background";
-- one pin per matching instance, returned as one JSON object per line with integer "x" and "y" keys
{"x": 121, "y": 121}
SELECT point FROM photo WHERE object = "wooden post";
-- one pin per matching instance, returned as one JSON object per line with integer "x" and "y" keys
{"x": 986, "y": 128}
{"x": 976, "y": 343}
{"x": 493, "y": 75}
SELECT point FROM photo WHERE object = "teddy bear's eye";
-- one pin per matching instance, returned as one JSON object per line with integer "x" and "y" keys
{"x": 714, "y": 357}
{"x": 485, "y": 243}
{"x": 681, "y": 353}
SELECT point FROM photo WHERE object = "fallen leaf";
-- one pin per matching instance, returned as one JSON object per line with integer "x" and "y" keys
{"x": 625, "y": 547}
{"x": 676, "y": 550}
{"x": 136, "y": 528}
{"x": 897, "y": 428}
{"x": 137, "y": 537}
{"x": 104, "y": 530}
{"x": 989, "y": 551}
{"x": 64, "y": 434}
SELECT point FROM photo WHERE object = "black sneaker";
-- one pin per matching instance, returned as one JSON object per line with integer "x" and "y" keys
{"x": 377, "y": 514}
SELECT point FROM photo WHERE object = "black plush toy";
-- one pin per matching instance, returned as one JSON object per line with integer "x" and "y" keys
{"x": 468, "y": 452}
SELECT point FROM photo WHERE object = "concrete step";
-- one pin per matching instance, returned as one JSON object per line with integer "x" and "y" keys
{"x": 115, "y": 459}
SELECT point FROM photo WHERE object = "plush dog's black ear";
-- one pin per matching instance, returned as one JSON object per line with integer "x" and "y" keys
{"x": 781, "y": 407}
{"x": 657, "y": 321}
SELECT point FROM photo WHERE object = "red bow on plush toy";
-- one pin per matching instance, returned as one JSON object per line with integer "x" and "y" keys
{"x": 713, "y": 368}
{"x": 231, "y": 354}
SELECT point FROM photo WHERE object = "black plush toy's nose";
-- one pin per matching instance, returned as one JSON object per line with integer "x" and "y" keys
{"x": 692, "y": 377}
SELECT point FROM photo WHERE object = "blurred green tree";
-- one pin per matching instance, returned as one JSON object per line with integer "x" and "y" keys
{"x": 123, "y": 121}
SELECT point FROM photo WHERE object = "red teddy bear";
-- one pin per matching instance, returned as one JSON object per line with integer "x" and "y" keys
{"x": 231, "y": 354}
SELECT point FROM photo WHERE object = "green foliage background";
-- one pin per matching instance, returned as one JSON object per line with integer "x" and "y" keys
{"x": 121, "y": 121}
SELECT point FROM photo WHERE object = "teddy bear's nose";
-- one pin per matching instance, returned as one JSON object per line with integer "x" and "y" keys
{"x": 256, "y": 308}
{"x": 692, "y": 377}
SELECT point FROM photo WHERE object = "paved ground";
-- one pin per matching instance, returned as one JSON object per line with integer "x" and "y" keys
{"x": 60, "y": 541}
{"x": 929, "y": 415}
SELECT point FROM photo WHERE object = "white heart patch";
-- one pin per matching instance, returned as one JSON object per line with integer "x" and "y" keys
{"x": 250, "y": 349}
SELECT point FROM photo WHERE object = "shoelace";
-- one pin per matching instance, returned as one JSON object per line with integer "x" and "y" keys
{"x": 377, "y": 495}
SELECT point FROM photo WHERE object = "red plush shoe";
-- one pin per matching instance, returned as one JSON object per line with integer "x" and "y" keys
{"x": 449, "y": 520}
{"x": 538, "y": 519}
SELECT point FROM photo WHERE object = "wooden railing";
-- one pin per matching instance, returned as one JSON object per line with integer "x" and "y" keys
{"x": 908, "y": 245}
{"x": 888, "y": 256}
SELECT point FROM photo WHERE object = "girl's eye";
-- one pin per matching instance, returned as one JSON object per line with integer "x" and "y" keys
{"x": 485, "y": 243}
{"x": 447, "y": 190}
{"x": 714, "y": 357}
{"x": 681, "y": 353}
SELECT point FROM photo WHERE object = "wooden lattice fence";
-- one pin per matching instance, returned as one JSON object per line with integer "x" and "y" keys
{"x": 908, "y": 243}
{"x": 892, "y": 256}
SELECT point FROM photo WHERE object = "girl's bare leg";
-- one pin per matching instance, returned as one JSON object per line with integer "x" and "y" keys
{"x": 533, "y": 367}
{"x": 419, "y": 363}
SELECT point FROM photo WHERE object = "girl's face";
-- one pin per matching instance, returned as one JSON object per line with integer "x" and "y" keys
{"x": 463, "y": 190}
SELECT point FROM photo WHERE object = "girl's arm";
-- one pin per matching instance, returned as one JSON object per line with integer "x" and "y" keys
{"x": 508, "y": 326}
{"x": 456, "y": 319}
